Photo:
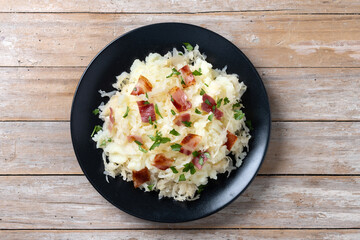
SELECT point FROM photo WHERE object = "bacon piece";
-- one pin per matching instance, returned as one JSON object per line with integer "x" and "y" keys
{"x": 162, "y": 162}
{"x": 146, "y": 111}
{"x": 189, "y": 143}
{"x": 142, "y": 86}
{"x": 231, "y": 139}
{"x": 184, "y": 117}
{"x": 187, "y": 75}
{"x": 179, "y": 99}
{"x": 208, "y": 106}
{"x": 140, "y": 177}
{"x": 196, "y": 160}
{"x": 132, "y": 138}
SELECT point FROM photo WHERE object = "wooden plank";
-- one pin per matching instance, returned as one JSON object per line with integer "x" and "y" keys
{"x": 170, "y": 6}
{"x": 294, "y": 94}
{"x": 181, "y": 234}
{"x": 295, "y": 148}
{"x": 52, "y": 202}
{"x": 269, "y": 40}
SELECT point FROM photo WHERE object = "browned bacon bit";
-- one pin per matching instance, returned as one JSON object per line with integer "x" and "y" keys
{"x": 140, "y": 177}
{"x": 189, "y": 143}
{"x": 209, "y": 105}
{"x": 184, "y": 117}
{"x": 231, "y": 139}
{"x": 179, "y": 99}
{"x": 186, "y": 76}
{"x": 147, "y": 111}
{"x": 142, "y": 86}
{"x": 132, "y": 138}
{"x": 200, "y": 159}
{"x": 162, "y": 162}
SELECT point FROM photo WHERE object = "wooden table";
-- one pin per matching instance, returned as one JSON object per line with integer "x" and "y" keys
{"x": 308, "y": 54}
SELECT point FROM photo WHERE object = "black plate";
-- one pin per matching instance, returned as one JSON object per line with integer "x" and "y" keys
{"x": 118, "y": 57}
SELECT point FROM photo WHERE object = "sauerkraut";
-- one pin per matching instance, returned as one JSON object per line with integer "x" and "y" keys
{"x": 121, "y": 157}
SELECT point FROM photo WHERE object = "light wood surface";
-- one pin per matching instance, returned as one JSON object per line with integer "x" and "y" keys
{"x": 308, "y": 55}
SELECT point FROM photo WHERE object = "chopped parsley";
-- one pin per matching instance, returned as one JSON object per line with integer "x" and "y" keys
{"x": 142, "y": 149}
{"x": 186, "y": 123}
{"x": 202, "y": 92}
{"x": 213, "y": 108}
{"x": 127, "y": 112}
{"x": 182, "y": 80}
{"x": 180, "y": 53}
{"x": 158, "y": 139}
{"x": 176, "y": 147}
{"x": 197, "y": 72}
{"x": 236, "y": 105}
{"x": 211, "y": 116}
{"x": 201, "y": 160}
{"x": 173, "y": 112}
{"x": 96, "y": 129}
{"x": 150, "y": 187}
{"x": 226, "y": 101}
{"x": 150, "y": 121}
{"x": 238, "y": 115}
{"x": 206, "y": 85}
{"x": 189, "y": 166}
{"x": 249, "y": 124}
{"x": 182, "y": 178}
{"x": 104, "y": 142}
{"x": 174, "y": 132}
{"x": 208, "y": 102}
{"x": 197, "y": 111}
{"x": 173, "y": 169}
{"x": 157, "y": 110}
{"x": 207, "y": 154}
{"x": 188, "y": 46}
{"x": 200, "y": 189}
{"x": 171, "y": 98}
{"x": 195, "y": 153}
{"x": 218, "y": 103}
{"x": 146, "y": 102}
{"x": 96, "y": 111}
{"x": 146, "y": 95}
{"x": 138, "y": 143}
{"x": 174, "y": 72}
{"x": 135, "y": 89}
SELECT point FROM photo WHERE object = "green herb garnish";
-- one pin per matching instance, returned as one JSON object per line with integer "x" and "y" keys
{"x": 202, "y": 92}
{"x": 173, "y": 169}
{"x": 211, "y": 116}
{"x": 239, "y": 115}
{"x": 201, "y": 160}
{"x": 146, "y": 95}
{"x": 182, "y": 178}
{"x": 189, "y": 166}
{"x": 197, "y": 73}
{"x": 200, "y": 189}
{"x": 142, "y": 149}
{"x": 150, "y": 121}
{"x": 188, "y": 46}
{"x": 158, "y": 139}
{"x": 173, "y": 112}
{"x": 96, "y": 111}
{"x": 226, "y": 101}
{"x": 206, "y": 85}
{"x": 207, "y": 154}
{"x": 180, "y": 54}
{"x": 182, "y": 80}
{"x": 235, "y": 105}
{"x": 176, "y": 147}
{"x": 171, "y": 99}
{"x": 157, "y": 110}
{"x": 213, "y": 108}
{"x": 186, "y": 123}
{"x": 104, "y": 142}
{"x": 174, "y": 72}
{"x": 218, "y": 103}
{"x": 208, "y": 102}
{"x": 195, "y": 153}
{"x": 96, "y": 129}
{"x": 150, "y": 187}
{"x": 138, "y": 143}
{"x": 249, "y": 124}
{"x": 146, "y": 102}
{"x": 127, "y": 112}
{"x": 197, "y": 111}
{"x": 174, "y": 132}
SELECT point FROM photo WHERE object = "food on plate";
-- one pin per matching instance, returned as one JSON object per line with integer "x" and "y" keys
{"x": 171, "y": 124}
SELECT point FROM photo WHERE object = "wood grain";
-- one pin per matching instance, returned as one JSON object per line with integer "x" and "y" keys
{"x": 181, "y": 234}
{"x": 51, "y": 202}
{"x": 269, "y": 40}
{"x": 171, "y": 6}
{"x": 295, "y": 148}
{"x": 294, "y": 94}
